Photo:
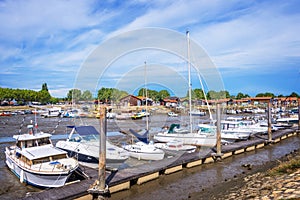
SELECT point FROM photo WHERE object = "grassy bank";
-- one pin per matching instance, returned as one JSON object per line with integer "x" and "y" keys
{"x": 289, "y": 166}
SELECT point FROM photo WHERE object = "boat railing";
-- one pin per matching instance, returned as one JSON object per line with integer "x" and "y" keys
{"x": 40, "y": 167}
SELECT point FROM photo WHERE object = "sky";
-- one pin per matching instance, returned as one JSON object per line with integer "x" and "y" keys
{"x": 253, "y": 45}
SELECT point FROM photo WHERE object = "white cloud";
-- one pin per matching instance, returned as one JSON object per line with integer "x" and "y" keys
{"x": 263, "y": 37}
{"x": 56, "y": 36}
{"x": 36, "y": 18}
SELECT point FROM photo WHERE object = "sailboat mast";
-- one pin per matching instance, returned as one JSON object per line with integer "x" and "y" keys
{"x": 147, "y": 123}
{"x": 189, "y": 79}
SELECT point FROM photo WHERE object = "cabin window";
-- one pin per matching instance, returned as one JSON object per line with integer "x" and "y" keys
{"x": 41, "y": 160}
{"x": 19, "y": 144}
{"x": 43, "y": 141}
{"x": 30, "y": 144}
{"x": 57, "y": 157}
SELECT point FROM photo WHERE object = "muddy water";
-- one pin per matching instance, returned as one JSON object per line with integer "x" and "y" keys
{"x": 194, "y": 183}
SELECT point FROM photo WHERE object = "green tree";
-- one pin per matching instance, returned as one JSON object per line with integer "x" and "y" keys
{"x": 116, "y": 95}
{"x": 162, "y": 94}
{"x": 104, "y": 94}
{"x": 45, "y": 87}
{"x": 44, "y": 96}
{"x": 267, "y": 94}
{"x": 197, "y": 94}
{"x": 218, "y": 95}
{"x": 241, "y": 95}
{"x": 86, "y": 96}
{"x": 74, "y": 95}
{"x": 153, "y": 94}
{"x": 110, "y": 94}
{"x": 294, "y": 94}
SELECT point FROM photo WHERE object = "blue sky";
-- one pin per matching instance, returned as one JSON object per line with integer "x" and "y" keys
{"x": 255, "y": 45}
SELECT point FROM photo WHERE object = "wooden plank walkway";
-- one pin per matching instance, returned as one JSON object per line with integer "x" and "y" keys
{"x": 132, "y": 174}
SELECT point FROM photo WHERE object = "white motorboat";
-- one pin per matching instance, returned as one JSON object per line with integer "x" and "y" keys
{"x": 172, "y": 114}
{"x": 175, "y": 145}
{"x": 36, "y": 161}
{"x": 83, "y": 143}
{"x": 144, "y": 151}
{"x": 197, "y": 113}
{"x": 198, "y": 138}
{"x": 227, "y": 136}
{"x": 51, "y": 112}
{"x": 293, "y": 119}
{"x": 233, "y": 129}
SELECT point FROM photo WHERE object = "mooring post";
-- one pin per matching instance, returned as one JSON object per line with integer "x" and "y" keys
{"x": 99, "y": 189}
{"x": 298, "y": 115}
{"x": 269, "y": 121}
{"x": 218, "y": 129}
{"x": 218, "y": 155}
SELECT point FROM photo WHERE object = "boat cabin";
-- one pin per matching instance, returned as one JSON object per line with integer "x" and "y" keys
{"x": 40, "y": 155}
{"x": 28, "y": 140}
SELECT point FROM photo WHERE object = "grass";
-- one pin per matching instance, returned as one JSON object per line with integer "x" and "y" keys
{"x": 286, "y": 167}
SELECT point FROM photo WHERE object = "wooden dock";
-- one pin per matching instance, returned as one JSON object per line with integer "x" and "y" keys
{"x": 125, "y": 178}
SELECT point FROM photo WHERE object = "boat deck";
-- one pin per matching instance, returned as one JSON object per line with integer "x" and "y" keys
{"x": 123, "y": 179}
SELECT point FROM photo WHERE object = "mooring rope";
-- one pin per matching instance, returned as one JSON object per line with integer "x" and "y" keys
{"x": 21, "y": 125}
{"x": 56, "y": 126}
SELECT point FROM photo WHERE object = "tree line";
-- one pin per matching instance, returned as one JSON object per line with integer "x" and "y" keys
{"x": 107, "y": 95}
{"x": 21, "y": 96}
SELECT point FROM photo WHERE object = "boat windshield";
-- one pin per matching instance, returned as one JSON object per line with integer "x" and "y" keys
{"x": 206, "y": 129}
{"x": 90, "y": 137}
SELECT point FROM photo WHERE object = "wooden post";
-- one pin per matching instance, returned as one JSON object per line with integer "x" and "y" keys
{"x": 99, "y": 189}
{"x": 298, "y": 115}
{"x": 102, "y": 150}
{"x": 218, "y": 130}
{"x": 218, "y": 156}
{"x": 269, "y": 122}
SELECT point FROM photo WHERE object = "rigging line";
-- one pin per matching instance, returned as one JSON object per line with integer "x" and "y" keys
{"x": 205, "y": 97}
{"x": 22, "y": 124}
{"x": 56, "y": 126}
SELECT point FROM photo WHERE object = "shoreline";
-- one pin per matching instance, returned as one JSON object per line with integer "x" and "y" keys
{"x": 259, "y": 184}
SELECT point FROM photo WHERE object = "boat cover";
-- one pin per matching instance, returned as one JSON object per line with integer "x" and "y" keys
{"x": 42, "y": 152}
{"x": 142, "y": 138}
{"x": 86, "y": 130}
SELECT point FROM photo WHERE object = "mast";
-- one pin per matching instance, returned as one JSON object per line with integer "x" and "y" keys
{"x": 189, "y": 79}
{"x": 147, "y": 123}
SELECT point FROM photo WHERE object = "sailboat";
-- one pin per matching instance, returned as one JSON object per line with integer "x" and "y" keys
{"x": 144, "y": 149}
{"x": 191, "y": 137}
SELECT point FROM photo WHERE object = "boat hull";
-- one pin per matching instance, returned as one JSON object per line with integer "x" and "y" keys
{"x": 187, "y": 138}
{"x": 143, "y": 151}
{"x": 89, "y": 152}
{"x": 146, "y": 156}
{"x": 91, "y": 159}
{"x": 34, "y": 178}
